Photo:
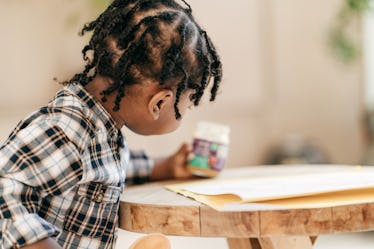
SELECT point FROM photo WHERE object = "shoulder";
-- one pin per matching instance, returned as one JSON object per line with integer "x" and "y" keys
{"x": 69, "y": 113}
{"x": 65, "y": 115}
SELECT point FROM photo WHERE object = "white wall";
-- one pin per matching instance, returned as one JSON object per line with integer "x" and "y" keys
{"x": 279, "y": 78}
{"x": 316, "y": 95}
{"x": 369, "y": 58}
{"x": 38, "y": 41}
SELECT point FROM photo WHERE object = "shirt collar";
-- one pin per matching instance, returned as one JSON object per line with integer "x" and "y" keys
{"x": 96, "y": 107}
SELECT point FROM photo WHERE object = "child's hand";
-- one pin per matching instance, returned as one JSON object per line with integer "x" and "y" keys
{"x": 174, "y": 166}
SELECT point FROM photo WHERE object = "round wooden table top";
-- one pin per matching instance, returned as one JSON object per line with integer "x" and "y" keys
{"x": 152, "y": 208}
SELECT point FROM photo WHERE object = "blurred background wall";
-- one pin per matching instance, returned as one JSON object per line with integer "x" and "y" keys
{"x": 281, "y": 81}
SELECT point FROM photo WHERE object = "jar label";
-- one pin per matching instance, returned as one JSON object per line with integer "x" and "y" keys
{"x": 208, "y": 154}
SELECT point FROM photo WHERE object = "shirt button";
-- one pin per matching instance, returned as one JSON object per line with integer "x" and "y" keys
{"x": 99, "y": 197}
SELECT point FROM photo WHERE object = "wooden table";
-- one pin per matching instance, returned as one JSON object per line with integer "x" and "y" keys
{"x": 152, "y": 208}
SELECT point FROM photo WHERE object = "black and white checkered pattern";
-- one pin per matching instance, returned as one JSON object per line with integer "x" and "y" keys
{"x": 61, "y": 174}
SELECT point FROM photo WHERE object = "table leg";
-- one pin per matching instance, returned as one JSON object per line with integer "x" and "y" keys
{"x": 243, "y": 243}
{"x": 274, "y": 242}
{"x": 313, "y": 239}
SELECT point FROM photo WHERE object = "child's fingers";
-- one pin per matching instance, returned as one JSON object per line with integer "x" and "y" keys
{"x": 184, "y": 149}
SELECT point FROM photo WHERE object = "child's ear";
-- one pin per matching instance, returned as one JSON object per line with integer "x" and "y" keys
{"x": 158, "y": 101}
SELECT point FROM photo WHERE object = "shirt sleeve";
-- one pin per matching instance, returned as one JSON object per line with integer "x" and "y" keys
{"x": 140, "y": 167}
{"x": 36, "y": 161}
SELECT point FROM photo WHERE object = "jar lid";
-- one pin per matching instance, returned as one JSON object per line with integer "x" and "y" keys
{"x": 213, "y": 131}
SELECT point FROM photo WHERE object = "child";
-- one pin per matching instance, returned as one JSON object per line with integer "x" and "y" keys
{"x": 63, "y": 168}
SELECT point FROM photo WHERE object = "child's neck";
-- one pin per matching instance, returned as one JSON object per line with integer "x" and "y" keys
{"x": 95, "y": 88}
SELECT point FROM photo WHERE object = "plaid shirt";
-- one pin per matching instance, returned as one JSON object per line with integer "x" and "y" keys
{"x": 61, "y": 174}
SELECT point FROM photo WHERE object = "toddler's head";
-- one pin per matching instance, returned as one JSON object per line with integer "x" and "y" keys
{"x": 155, "y": 44}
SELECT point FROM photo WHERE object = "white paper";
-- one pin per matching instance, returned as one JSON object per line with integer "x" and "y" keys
{"x": 267, "y": 188}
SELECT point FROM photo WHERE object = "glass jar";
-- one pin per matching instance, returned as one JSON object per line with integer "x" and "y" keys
{"x": 210, "y": 148}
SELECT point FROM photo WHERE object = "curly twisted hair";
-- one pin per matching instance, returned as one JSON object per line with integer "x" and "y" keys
{"x": 156, "y": 40}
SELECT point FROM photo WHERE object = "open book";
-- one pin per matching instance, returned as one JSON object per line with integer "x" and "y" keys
{"x": 304, "y": 190}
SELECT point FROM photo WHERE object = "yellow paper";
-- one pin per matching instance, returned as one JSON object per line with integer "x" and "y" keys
{"x": 215, "y": 201}
{"x": 346, "y": 197}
